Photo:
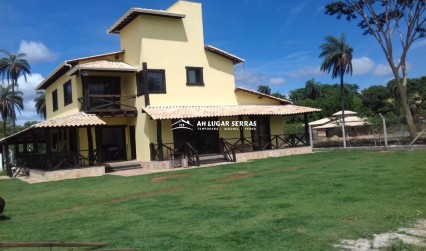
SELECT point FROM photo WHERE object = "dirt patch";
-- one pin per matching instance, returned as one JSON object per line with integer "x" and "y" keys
{"x": 236, "y": 177}
{"x": 118, "y": 200}
{"x": 415, "y": 235}
{"x": 288, "y": 169}
{"x": 167, "y": 177}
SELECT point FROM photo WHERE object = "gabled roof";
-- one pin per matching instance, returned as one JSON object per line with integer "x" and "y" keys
{"x": 104, "y": 65}
{"x": 263, "y": 95}
{"x": 233, "y": 58}
{"x": 203, "y": 111}
{"x": 133, "y": 13}
{"x": 76, "y": 120}
{"x": 66, "y": 66}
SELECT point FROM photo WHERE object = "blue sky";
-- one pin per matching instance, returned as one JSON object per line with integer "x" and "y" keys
{"x": 278, "y": 39}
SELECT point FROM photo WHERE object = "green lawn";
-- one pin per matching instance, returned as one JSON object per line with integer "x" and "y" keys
{"x": 305, "y": 202}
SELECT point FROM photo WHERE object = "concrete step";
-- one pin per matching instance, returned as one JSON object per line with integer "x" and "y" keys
{"x": 121, "y": 165}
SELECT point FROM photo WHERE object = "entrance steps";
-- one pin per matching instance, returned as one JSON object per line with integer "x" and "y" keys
{"x": 212, "y": 159}
{"x": 122, "y": 165}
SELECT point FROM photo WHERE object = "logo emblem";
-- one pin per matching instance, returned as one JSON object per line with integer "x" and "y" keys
{"x": 182, "y": 124}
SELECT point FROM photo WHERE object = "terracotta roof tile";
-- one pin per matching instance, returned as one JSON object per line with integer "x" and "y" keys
{"x": 177, "y": 112}
{"x": 76, "y": 120}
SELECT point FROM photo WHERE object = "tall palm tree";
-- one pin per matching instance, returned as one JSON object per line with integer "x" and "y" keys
{"x": 337, "y": 56}
{"x": 12, "y": 66}
{"x": 8, "y": 100}
{"x": 40, "y": 104}
{"x": 312, "y": 89}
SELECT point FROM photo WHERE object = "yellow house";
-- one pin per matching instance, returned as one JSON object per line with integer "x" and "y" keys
{"x": 164, "y": 99}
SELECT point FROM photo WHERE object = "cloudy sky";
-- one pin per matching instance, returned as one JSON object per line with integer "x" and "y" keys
{"x": 278, "y": 39}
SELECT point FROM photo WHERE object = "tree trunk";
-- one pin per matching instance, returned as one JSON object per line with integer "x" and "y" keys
{"x": 406, "y": 108}
{"x": 343, "y": 109}
{"x": 13, "y": 105}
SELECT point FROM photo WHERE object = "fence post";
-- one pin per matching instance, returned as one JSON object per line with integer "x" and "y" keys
{"x": 384, "y": 130}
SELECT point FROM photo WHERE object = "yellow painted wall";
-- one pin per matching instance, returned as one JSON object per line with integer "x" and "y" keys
{"x": 62, "y": 110}
{"x": 277, "y": 125}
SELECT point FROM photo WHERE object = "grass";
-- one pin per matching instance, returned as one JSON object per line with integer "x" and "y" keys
{"x": 399, "y": 245}
{"x": 305, "y": 202}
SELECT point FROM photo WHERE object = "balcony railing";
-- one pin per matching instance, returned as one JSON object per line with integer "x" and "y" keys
{"x": 108, "y": 105}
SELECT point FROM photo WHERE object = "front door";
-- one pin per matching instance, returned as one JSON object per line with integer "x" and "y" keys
{"x": 113, "y": 143}
{"x": 205, "y": 141}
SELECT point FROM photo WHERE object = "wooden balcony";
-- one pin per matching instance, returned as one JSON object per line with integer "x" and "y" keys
{"x": 109, "y": 105}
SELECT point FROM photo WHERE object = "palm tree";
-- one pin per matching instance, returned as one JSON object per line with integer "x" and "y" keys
{"x": 12, "y": 66}
{"x": 264, "y": 89}
{"x": 337, "y": 56}
{"x": 40, "y": 104}
{"x": 312, "y": 89}
{"x": 8, "y": 100}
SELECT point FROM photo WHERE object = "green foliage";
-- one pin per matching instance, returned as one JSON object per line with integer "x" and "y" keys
{"x": 264, "y": 89}
{"x": 304, "y": 202}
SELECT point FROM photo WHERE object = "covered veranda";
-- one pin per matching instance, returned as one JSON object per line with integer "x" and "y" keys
{"x": 226, "y": 130}
{"x": 52, "y": 144}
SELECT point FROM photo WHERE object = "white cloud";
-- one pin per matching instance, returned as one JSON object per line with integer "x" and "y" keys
{"x": 276, "y": 81}
{"x": 362, "y": 66}
{"x": 382, "y": 70}
{"x": 28, "y": 89}
{"x": 36, "y": 52}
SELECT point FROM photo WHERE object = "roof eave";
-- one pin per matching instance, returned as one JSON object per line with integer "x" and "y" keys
{"x": 115, "y": 28}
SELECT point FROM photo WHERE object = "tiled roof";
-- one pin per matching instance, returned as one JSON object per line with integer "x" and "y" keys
{"x": 76, "y": 120}
{"x": 177, "y": 112}
{"x": 104, "y": 65}
{"x": 283, "y": 101}
{"x": 350, "y": 121}
{"x": 133, "y": 13}
{"x": 66, "y": 65}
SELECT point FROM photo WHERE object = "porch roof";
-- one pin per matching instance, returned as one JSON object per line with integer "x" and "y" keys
{"x": 104, "y": 65}
{"x": 180, "y": 112}
{"x": 76, "y": 120}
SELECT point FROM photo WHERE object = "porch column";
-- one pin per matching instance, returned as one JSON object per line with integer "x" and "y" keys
{"x": 98, "y": 136}
{"x": 49, "y": 163}
{"x": 6, "y": 159}
{"x": 240, "y": 118}
{"x": 90, "y": 144}
{"x": 308, "y": 142}
{"x": 160, "y": 140}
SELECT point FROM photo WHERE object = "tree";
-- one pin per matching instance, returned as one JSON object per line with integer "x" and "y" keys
{"x": 40, "y": 104}
{"x": 385, "y": 19}
{"x": 8, "y": 100}
{"x": 12, "y": 66}
{"x": 264, "y": 89}
{"x": 312, "y": 89}
{"x": 297, "y": 95}
{"x": 337, "y": 56}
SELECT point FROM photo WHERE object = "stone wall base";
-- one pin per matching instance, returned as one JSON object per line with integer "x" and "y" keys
{"x": 156, "y": 165}
{"x": 65, "y": 174}
{"x": 244, "y": 157}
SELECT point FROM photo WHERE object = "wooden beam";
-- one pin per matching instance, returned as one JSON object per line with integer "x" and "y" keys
{"x": 145, "y": 82}
{"x": 240, "y": 118}
{"x": 48, "y": 138}
{"x": 90, "y": 144}
{"x": 308, "y": 142}
{"x": 160, "y": 140}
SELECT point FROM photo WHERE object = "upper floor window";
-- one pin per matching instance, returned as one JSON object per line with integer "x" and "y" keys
{"x": 55, "y": 100}
{"x": 194, "y": 76}
{"x": 67, "y": 93}
{"x": 156, "y": 82}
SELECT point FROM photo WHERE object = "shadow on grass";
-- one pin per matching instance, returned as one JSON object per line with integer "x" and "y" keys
{"x": 4, "y": 217}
